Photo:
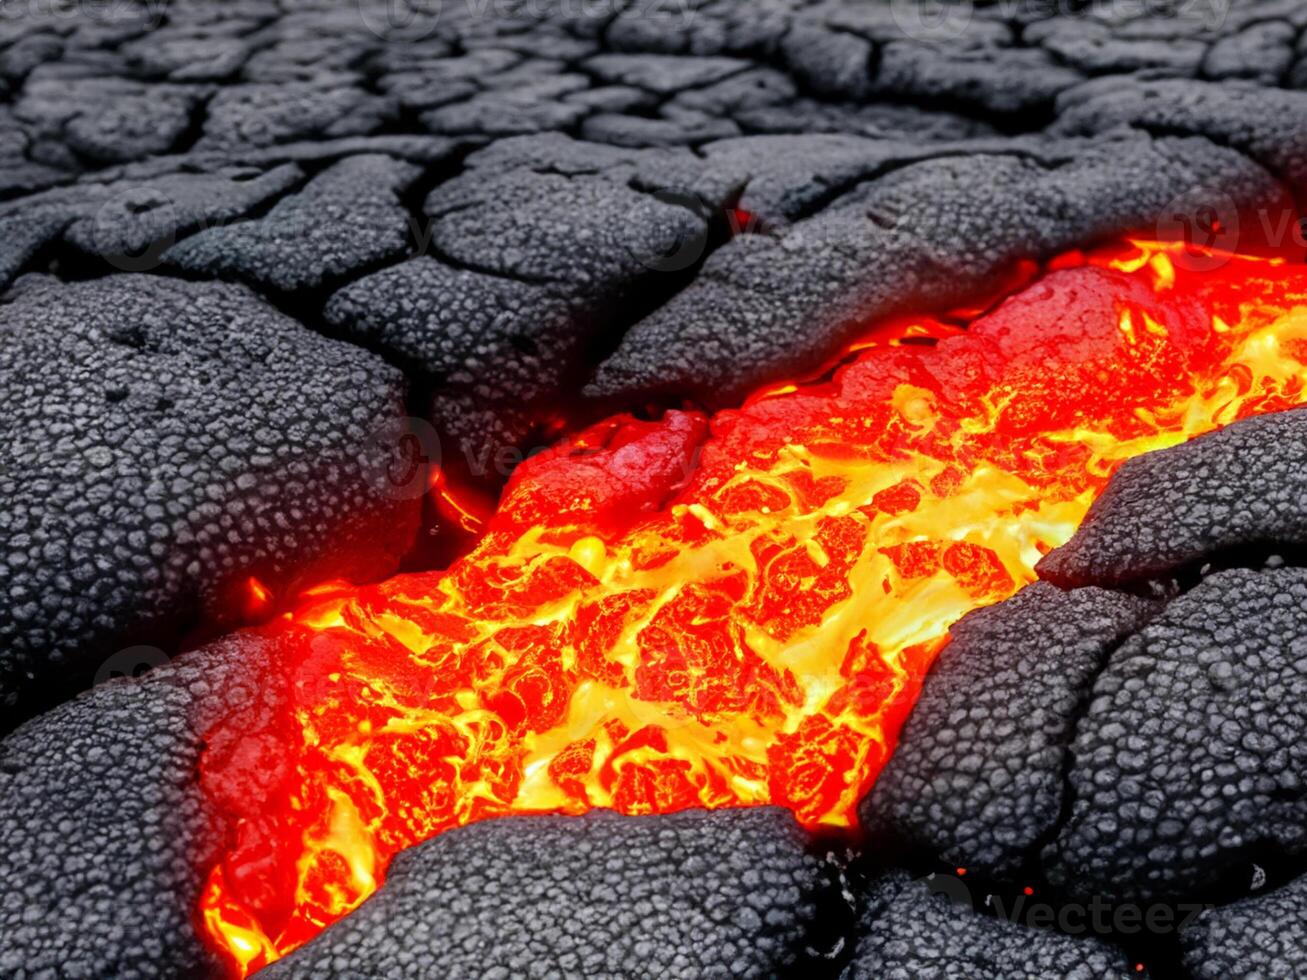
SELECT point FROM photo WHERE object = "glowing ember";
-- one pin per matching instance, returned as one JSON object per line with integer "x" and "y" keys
{"x": 726, "y": 611}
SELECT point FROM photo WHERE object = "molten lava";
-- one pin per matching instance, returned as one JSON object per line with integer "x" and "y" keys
{"x": 727, "y": 610}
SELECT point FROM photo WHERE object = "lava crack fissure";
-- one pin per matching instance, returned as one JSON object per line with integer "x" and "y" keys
{"x": 739, "y": 610}
{"x": 464, "y": 240}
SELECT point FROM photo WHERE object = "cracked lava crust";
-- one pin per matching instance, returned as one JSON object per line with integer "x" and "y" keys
{"x": 733, "y": 609}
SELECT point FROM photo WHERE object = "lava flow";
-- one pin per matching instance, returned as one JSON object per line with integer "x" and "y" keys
{"x": 728, "y": 610}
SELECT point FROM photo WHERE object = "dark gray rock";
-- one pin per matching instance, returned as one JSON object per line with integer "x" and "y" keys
{"x": 919, "y": 237}
{"x": 1261, "y": 52}
{"x": 153, "y": 460}
{"x": 1096, "y": 49}
{"x": 830, "y": 63}
{"x": 682, "y": 127}
{"x": 977, "y": 777}
{"x": 503, "y": 114}
{"x": 24, "y": 232}
{"x": 490, "y": 348}
{"x": 345, "y": 220}
{"x": 129, "y": 223}
{"x": 1019, "y": 82}
{"x": 1270, "y": 125}
{"x": 1263, "y": 937}
{"x": 105, "y": 834}
{"x": 929, "y": 929}
{"x": 591, "y": 234}
{"x": 1172, "y": 510}
{"x": 810, "y": 116}
{"x": 696, "y": 894}
{"x": 108, "y": 120}
{"x": 1190, "y": 760}
{"x": 663, "y": 74}
{"x": 261, "y": 114}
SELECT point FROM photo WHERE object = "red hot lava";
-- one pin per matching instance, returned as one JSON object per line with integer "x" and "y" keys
{"x": 726, "y": 610}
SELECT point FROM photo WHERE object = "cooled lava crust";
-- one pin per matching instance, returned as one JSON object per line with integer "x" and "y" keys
{"x": 248, "y": 251}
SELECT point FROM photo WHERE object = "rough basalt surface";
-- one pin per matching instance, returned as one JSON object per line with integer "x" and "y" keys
{"x": 1262, "y": 937}
{"x": 1164, "y": 762}
{"x": 105, "y": 834}
{"x": 504, "y": 212}
{"x": 164, "y": 441}
{"x": 697, "y": 894}
{"x": 929, "y": 929}
{"x": 1240, "y": 489}
{"x": 977, "y": 778}
{"x": 1190, "y": 754}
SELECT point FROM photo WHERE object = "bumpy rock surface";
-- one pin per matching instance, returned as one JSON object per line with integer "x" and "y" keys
{"x": 105, "y": 835}
{"x": 546, "y": 207}
{"x": 164, "y": 441}
{"x": 1241, "y": 488}
{"x": 1190, "y": 754}
{"x": 344, "y": 220}
{"x": 923, "y": 236}
{"x": 1260, "y": 938}
{"x": 978, "y": 774}
{"x": 730, "y": 893}
{"x": 928, "y": 929}
{"x": 1162, "y": 759}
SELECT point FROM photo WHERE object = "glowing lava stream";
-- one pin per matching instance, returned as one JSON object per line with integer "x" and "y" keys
{"x": 731, "y": 610}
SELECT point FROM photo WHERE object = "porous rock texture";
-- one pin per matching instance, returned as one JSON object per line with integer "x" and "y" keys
{"x": 164, "y": 441}
{"x": 105, "y": 834}
{"x": 697, "y": 894}
{"x": 634, "y": 202}
{"x": 977, "y": 777}
{"x": 928, "y": 929}
{"x": 1190, "y": 753}
{"x": 1261, "y": 937}
{"x": 540, "y": 209}
{"x": 1151, "y": 522}
{"x": 1164, "y": 762}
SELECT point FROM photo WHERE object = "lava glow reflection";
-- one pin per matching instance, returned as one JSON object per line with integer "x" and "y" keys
{"x": 730, "y": 610}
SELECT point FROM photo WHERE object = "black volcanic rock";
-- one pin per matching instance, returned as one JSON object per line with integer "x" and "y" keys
{"x": 995, "y": 80}
{"x": 162, "y": 442}
{"x": 1240, "y": 487}
{"x": 130, "y": 222}
{"x": 1190, "y": 759}
{"x": 1263, "y": 937}
{"x": 977, "y": 777}
{"x": 488, "y": 347}
{"x": 264, "y": 113}
{"x": 932, "y": 929}
{"x": 107, "y": 119}
{"x": 345, "y": 220}
{"x": 1270, "y": 125}
{"x": 587, "y": 232}
{"x": 105, "y": 834}
{"x": 697, "y": 894}
{"x": 923, "y": 235}
{"x": 706, "y": 199}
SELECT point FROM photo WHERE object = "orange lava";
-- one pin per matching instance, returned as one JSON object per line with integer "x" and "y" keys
{"x": 727, "y": 610}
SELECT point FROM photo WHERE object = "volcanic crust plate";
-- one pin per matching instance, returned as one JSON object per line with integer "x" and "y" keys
{"x": 249, "y": 250}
